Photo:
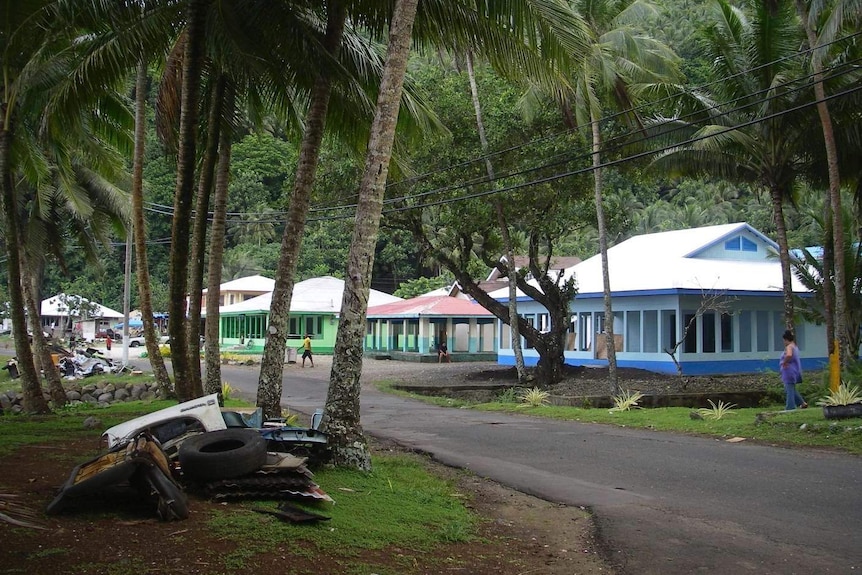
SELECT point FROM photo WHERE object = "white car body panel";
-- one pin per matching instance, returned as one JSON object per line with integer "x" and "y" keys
{"x": 204, "y": 409}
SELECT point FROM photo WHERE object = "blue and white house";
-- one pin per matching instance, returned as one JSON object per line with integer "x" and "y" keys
{"x": 713, "y": 293}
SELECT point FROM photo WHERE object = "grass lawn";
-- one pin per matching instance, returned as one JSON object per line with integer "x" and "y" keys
{"x": 803, "y": 427}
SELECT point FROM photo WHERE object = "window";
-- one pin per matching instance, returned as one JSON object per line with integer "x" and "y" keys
{"x": 707, "y": 332}
{"x": 726, "y": 332}
{"x": 745, "y": 331}
{"x": 748, "y": 245}
{"x": 762, "y": 327}
{"x": 689, "y": 319}
{"x": 732, "y": 245}
{"x": 505, "y": 336}
{"x": 668, "y": 333}
{"x": 650, "y": 321}
{"x": 530, "y": 319}
{"x": 584, "y": 322}
{"x": 778, "y": 327}
{"x": 740, "y": 243}
{"x": 544, "y": 322}
{"x": 633, "y": 331}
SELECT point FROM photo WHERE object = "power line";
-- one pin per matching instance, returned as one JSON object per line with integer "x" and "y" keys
{"x": 609, "y": 146}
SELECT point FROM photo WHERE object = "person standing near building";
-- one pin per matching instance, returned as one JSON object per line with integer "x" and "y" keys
{"x": 790, "y": 368}
{"x": 306, "y": 350}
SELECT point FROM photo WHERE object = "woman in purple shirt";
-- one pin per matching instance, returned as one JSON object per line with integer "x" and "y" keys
{"x": 790, "y": 368}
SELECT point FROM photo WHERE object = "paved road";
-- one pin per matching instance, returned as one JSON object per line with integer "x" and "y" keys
{"x": 665, "y": 504}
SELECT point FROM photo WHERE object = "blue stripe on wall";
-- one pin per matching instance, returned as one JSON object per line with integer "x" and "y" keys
{"x": 728, "y": 367}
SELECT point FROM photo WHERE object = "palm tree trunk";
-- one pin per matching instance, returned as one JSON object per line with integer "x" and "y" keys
{"x": 183, "y": 198}
{"x": 844, "y": 353}
{"x": 603, "y": 249}
{"x": 216, "y": 256}
{"x": 31, "y": 388}
{"x": 783, "y": 253}
{"x": 829, "y": 288}
{"x": 199, "y": 236}
{"x": 160, "y": 372}
{"x": 504, "y": 228}
{"x": 40, "y": 345}
{"x": 347, "y": 443}
{"x": 269, "y": 386}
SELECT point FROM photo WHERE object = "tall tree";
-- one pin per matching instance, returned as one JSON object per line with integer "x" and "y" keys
{"x": 163, "y": 382}
{"x": 272, "y": 364}
{"x": 193, "y": 54}
{"x": 23, "y": 26}
{"x": 201, "y": 221}
{"x": 504, "y": 227}
{"x": 741, "y": 126}
{"x": 341, "y": 413}
{"x": 622, "y": 63}
{"x": 809, "y": 19}
{"x": 216, "y": 254}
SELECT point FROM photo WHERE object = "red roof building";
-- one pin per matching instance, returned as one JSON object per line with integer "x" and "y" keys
{"x": 413, "y": 329}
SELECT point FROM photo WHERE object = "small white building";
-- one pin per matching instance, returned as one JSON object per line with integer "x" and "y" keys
{"x": 714, "y": 294}
{"x": 64, "y": 313}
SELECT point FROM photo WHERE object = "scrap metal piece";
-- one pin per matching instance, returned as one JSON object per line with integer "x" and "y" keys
{"x": 293, "y": 514}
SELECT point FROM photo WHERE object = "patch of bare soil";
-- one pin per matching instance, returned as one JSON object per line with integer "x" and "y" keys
{"x": 110, "y": 535}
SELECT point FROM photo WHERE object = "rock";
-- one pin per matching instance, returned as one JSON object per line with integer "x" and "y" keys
{"x": 110, "y": 388}
{"x": 148, "y": 396}
{"x": 106, "y": 398}
{"x": 87, "y": 398}
{"x": 92, "y": 423}
{"x": 695, "y": 415}
{"x": 5, "y": 402}
{"x": 121, "y": 395}
{"x": 73, "y": 395}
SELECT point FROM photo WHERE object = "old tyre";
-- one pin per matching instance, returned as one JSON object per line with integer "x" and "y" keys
{"x": 222, "y": 454}
{"x": 172, "y": 505}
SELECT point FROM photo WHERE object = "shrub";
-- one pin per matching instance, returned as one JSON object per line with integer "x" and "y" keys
{"x": 716, "y": 411}
{"x": 626, "y": 400}
{"x": 844, "y": 395}
{"x": 510, "y": 395}
{"x": 226, "y": 390}
{"x": 535, "y": 397}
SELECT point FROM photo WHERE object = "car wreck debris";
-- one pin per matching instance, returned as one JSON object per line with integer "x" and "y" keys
{"x": 292, "y": 513}
{"x": 140, "y": 464}
{"x": 195, "y": 446}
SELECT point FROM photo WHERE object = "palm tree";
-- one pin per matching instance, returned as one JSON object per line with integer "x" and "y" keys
{"x": 217, "y": 234}
{"x": 504, "y": 227}
{"x": 157, "y": 362}
{"x": 59, "y": 107}
{"x": 814, "y": 274}
{"x": 541, "y": 23}
{"x": 809, "y": 14}
{"x": 193, "y": 55}
{"x": 738, "y": 129}
{"x": 621, "y": 65}
{"x": 341, "y": 413}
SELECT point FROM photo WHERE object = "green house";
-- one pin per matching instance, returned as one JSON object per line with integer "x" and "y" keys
{"x": 314, "y": 309}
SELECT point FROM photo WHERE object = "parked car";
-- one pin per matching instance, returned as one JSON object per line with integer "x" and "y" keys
{"x": 137, "y": 341}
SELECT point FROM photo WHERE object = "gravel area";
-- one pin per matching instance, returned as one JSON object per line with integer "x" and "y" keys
{"x": 578, "y": 381}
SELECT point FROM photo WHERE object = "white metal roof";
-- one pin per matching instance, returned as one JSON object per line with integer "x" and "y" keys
{"x": 54, "y": 307}
{"x": 319, "y": 295}
{"x": 248, "y": 284}
{"x": 664, "y": 261}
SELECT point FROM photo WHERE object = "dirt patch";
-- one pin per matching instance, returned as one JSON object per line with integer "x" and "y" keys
{"x": 111, "y": 536}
